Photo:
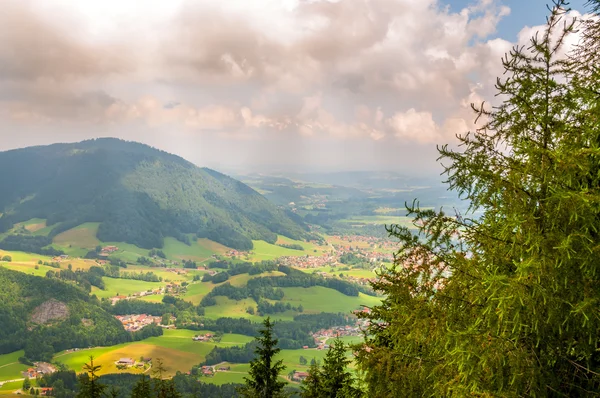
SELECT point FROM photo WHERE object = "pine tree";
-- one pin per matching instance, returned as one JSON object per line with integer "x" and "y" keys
{"x": 264, "y": 370}
{"x": 163, "y": 388}
{"x": 336, "y": 379}
{"x": 142, "y": 388}
{"x": 312, "y": 385}
{"x": 505, "y": 303}
{"x": 89, "y": 387}
{"x": 333, "y": 379}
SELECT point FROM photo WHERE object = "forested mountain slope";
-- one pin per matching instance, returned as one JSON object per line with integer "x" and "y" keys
{"x": 46, "y": 315}
{"x": 137, "y": 193}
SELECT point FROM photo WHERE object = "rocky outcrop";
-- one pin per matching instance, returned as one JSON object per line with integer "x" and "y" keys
{"x": 49, "y": 311}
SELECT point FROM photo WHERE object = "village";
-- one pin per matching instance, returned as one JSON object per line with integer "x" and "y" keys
{"x": 133, "y": 323}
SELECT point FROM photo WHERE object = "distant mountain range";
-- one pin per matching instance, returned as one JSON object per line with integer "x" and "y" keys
{"x": 138, "y": 194}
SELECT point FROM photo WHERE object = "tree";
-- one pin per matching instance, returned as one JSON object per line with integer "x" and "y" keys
{"x": 303, "y": 360}
{"x": 7, "y": 259}
{"x": 335, "y": 376}
{"x": 26, "y": 384}
{"x": 504, "y": 303}
{"x": 89, "y": 387}
{"x": 312, "y": 385}
{"x": 142, "y": 388}
{"x": 264, "y": 370}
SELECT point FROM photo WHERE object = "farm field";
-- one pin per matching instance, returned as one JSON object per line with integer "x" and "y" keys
{"x": 10, "y": 368}
{"x": 82, "y": 236}
{"x": 380, "y": 220}
{"x": 6, "y": 390}
{"x": 196, "y": 291}
{"x": 318, "y": 299}
{"x": 175, "y": 348}
{"x": 124, "y": 287}
{"x": 200, "y": 250}
{"x": 267, "y": 251}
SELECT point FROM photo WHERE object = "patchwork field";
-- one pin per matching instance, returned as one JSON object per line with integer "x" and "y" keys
{"x": 176, "y": 349}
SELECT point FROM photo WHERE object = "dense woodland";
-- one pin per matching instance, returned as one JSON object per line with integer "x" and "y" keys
{"x": 139, "y": 195}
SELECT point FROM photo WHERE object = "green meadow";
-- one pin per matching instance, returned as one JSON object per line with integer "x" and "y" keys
{"x": 124, "y": 287}
{"x": 318, "y": 299}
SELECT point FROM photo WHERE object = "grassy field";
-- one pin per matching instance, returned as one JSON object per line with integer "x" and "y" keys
{"x": 7, "y": 389}
{"x": 318, "y": 299}
{"x": 124, "y": 287}
{"x": 267, "y": 251}
{"x": 82, "y": 236}
{"x": 176, "y": 348}
{"x": 197, "y": 290}
{"x": 10, "y": 368}
{"x": 33, "y": 225}
{"x": 28, "y": 268}
{"x": 380, "y": 220}
{"x": 200, "y": 250}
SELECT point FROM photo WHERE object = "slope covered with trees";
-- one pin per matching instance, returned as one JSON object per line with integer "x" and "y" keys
{"x": 44, "y": 316}
{"x": 137, "y": 193}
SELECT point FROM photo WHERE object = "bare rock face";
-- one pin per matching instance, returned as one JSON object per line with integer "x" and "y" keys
{"x": 49, "y": 311}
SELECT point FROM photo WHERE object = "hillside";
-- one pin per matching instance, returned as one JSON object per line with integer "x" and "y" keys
{"x": 138, "y": 194}
{"x": 45, "y": 316}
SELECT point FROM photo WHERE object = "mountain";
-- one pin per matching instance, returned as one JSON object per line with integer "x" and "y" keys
{"x": 44, "y": 316}
{"x": 138, "y": 194}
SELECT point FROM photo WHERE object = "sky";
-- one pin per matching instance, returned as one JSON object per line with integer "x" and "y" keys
{"x": 261, "y": 85}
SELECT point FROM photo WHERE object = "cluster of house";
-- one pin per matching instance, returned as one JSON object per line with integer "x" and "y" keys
{"x": 160, "y": 290}
{"x": 133, "y": 323}
{"x": 211, "y": 370}
{"x": 371, "y": 240}
{"x": 299, "y": 376}
{"x": 203, "y": 337}
{"x": 39, "y": 369}
{"x": 108, "y": 250}
{"x": 307, "y": 261}
{"x": 126, "y": 363}
{"x": 60, "y": 258}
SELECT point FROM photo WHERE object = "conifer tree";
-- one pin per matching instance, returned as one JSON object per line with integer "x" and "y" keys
{"x": 312, "y": 385}
{"x": 89, "y": 387}
{"x": 264, "y": 370}
{"x": 142, "y": 388}
{"x": 505, "y": 303}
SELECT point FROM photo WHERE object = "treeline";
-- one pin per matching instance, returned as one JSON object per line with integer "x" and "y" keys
{"x": 30, "y": 244}
{"x": 291, "y": 334}
{"x": 84, "y": 279}
{"x": 237, "y": 268}
{"x": 293, "y": 246}
{"x": 113, "y": 271}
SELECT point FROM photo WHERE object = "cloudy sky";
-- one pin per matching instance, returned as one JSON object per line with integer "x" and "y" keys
{"x": 240, "y": 84}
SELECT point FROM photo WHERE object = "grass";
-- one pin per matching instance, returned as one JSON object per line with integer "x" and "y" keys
{"x": 33, "y": 225}
{"x": 28, "y": 268}
{"x": 82, "y": 237}
{"x": 318, "y": 299}
{"x": 267, "y": 251}
{"x": 196, "y": 291}
{"x": 176, "y": 349}
{"x": 7, "y": 389}
{"x": 124, "y": 287}
{"x": 200, "y": 250}
{"x": 10, "y": 367}
{"x": 12, "y": 371}
{"x": 380, "y": 220}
